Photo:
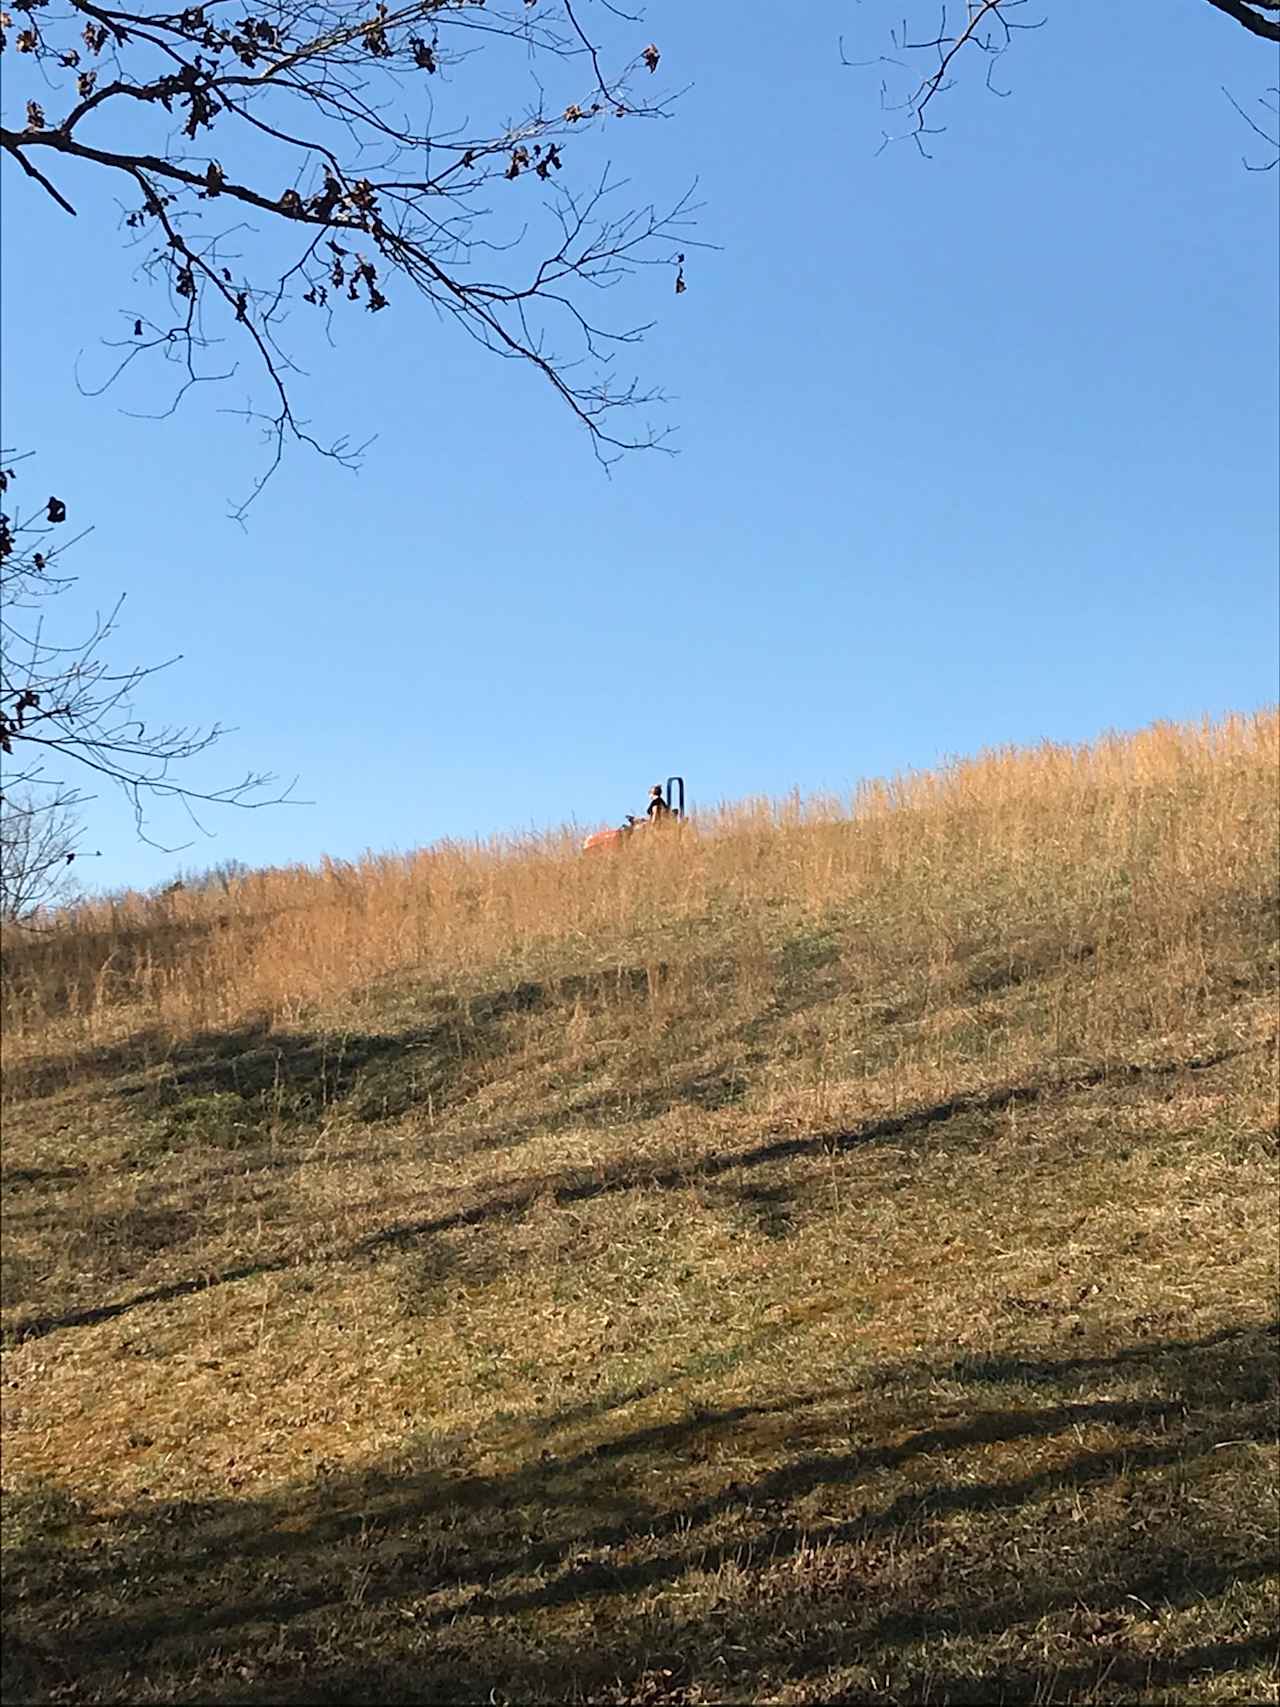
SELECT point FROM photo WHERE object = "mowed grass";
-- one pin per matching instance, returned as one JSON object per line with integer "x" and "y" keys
{"x": 827, "y": 1253}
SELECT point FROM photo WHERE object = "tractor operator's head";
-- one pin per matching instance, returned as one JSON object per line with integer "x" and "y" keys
{"x": 656, "y": 791}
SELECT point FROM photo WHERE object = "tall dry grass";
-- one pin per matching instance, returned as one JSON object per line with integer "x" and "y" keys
{"x": 1148, "y": 851}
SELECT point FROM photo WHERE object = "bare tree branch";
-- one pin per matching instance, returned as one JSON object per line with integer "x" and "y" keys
{"x": 1250, "y": 15}
{"x": 329, "y": 122}
{"x": 64, "y": 711}
{"x": 969, "y": 27}
{"x": 1270, "y": 102}
{"x": 10, "y": 144}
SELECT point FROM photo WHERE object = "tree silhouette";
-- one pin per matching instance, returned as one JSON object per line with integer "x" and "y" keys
{"x": 332, "y": 155}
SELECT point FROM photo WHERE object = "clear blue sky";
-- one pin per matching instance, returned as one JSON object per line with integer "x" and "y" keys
{"x": 975, "y": 449}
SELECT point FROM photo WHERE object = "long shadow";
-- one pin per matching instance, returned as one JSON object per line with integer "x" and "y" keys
{"x": 1220, "y": 1374}
{"x": 253, "y": 1058}
{"x": 670, "y": 1681}
{"x": 42, "y": 1178}
{"x": 914, "y": 1121}
{"x": 1031, "y": 1371}
{"x": 1210, "y": 1368}
{"x": 568, "y": 1190}
{"x": 477, "y": 1560}
{"x": 909, "y": 1513}
{"x": 267, "y": 1070}
{"x": 233, "y": 1087}
{"x": 1147, "y": 1678}
{"x": 36, "y": 1327}
{"x": 913, "y": 1516}
{"x": 719, "y": 1087}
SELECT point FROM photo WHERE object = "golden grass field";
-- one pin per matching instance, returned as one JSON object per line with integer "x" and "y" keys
{"x": 827, "y": 1251}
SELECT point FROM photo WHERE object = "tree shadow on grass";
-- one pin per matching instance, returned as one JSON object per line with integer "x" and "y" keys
{"x": 279, "y": 1076}
{"x": 385, "y": 1072}
{"x": 918, "y": 1123}
{"x": 1003, "y": 1551}
{"x": 570, "y": 1187}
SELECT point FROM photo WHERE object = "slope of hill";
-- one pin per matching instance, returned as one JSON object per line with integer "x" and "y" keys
{"x": 828, "y": 1252}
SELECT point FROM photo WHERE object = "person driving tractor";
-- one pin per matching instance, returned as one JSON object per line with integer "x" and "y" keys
{"x": 657, "y": 808}
{"x": 663, "y": 808}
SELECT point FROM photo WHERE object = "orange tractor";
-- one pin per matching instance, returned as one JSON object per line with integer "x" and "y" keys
{"x": 670, "y": 812}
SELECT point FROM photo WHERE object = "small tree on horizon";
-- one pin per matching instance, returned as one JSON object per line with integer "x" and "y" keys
{"x": 39, "y": 841}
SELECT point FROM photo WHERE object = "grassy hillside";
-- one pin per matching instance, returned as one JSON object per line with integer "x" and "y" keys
{"x": 823, "y": 1252}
